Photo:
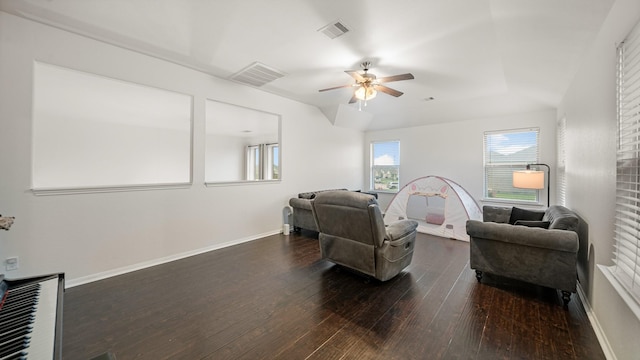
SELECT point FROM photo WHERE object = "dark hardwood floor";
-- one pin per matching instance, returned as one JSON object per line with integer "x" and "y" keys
{"x": 274, "y": 298}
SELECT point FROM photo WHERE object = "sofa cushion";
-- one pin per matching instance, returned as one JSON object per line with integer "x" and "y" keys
{"x": 531, "y": 223}
{"x": 497, "y": 214}
{"x": 524, "y": 214}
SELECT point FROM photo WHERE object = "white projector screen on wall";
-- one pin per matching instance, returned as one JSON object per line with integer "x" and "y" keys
{"x": 90, "y": 131}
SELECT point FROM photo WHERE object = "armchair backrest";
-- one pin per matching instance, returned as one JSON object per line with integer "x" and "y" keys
{"x": 349, "y": 215}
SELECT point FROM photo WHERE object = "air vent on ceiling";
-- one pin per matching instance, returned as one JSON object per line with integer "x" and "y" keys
{"x": 334, "y": 29}
{"x": 257, "y": 74}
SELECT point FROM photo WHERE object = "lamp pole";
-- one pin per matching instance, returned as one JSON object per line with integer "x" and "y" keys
{"x": 548, "y": 180}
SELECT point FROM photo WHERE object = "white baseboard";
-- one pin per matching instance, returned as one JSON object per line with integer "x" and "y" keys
{"x": 602, "y": 339}
{"x": 126, "y": 269}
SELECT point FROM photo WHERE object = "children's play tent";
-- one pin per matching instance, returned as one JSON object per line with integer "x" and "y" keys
{"x": 441, "y": 207}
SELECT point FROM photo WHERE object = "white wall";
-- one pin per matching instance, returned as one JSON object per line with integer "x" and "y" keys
{"x": 88, "y": 236}
{"x": 589, "y": 107}
{"x": 225, "y": 157}
{"x": 454, "y": 150}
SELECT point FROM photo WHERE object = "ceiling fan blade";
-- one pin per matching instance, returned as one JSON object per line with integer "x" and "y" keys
{"x": 354, "y": 74}
{"x": 388, "y": 90}
{"x": 335, "y": 87}
{"x": 353, "y": 99}
{"x": 407, "y": 76}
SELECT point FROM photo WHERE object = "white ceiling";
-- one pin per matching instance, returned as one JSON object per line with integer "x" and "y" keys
{"x": 477, "y": 58}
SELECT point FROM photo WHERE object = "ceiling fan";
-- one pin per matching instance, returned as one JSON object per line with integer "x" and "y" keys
{"x": 368, "y": 84}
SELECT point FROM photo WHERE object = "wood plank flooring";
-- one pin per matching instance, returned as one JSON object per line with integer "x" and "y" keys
{"x": 274, "y": 298}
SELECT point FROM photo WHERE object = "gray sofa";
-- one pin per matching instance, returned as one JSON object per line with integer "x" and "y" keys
{"x": 352, "y": 233}
{"x": 538, "y": 247}
{"x": 301, "y": 207}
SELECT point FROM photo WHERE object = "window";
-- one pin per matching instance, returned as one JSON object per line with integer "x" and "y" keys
{"x": 626, "y": 256}
{"x": 253, "y": 162}
{"x": 271, "y": 163}
{"x": 561, "y": 182}
{"x": 262, "y": 162}
{"x": 385, "y": 166}
{"x": 505, "y": 152}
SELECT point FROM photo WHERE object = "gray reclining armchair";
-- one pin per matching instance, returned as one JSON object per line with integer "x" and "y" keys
{"x": 352, "y": 233}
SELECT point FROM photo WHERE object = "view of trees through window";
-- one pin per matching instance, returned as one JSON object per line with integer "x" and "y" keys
{"x": 385, "y": 166}
{"x": 505, "y": 152}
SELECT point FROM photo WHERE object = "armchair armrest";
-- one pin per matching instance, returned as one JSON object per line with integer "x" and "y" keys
{"x": 400, "y": 229}
{"x": 560, "y": 240}
{"x": 399, "y": 240}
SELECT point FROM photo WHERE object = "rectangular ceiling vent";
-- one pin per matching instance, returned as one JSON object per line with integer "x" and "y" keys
{"x": 334, "y": 29}
{"x": 257, "y": 74}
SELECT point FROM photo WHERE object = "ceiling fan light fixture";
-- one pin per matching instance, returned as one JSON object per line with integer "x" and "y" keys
{"x": 365, "y": 93}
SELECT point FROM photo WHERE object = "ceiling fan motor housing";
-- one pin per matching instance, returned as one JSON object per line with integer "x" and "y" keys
{"x": 368, "y": 77}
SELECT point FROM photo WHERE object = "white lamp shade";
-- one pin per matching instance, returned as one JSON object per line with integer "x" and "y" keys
{"x": 528, "y": 179}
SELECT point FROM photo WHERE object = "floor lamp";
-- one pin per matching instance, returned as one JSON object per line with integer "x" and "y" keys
{"x": 533, "y": 179}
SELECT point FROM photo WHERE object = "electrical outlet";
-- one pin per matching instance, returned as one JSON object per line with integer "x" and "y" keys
{"x": 11, "y": 263}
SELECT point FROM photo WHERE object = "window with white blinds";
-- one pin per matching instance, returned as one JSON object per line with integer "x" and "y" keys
{"x": 561, "y": 180}
{"x": 505, "y": 152}
{"x": 626, "y": 255}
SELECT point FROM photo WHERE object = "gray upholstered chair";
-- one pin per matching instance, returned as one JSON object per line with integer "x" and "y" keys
{"x": 352, "y": 233}
{"x": 538, "y": 247}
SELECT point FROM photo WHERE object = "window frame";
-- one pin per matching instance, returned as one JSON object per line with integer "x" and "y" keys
{"x": 271, "y": 153}
{"x": 253, "y": 154}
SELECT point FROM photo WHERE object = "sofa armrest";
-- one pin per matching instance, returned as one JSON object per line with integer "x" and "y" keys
{"x": 400, "y": 229}
{"x": 300, "y": 203}
{"x": 559, "y": 240}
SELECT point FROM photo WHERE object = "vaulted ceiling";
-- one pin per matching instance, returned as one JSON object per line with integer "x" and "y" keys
{"x": 475, "y": 58}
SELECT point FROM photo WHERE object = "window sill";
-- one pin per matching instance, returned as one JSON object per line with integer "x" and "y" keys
{"x": 512, "y": 202}
{"x": 241, "y": 182}
{"x": 106, "y": 189}
{"x": 391, "y": 192}
{"x": 621, "y": 290}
